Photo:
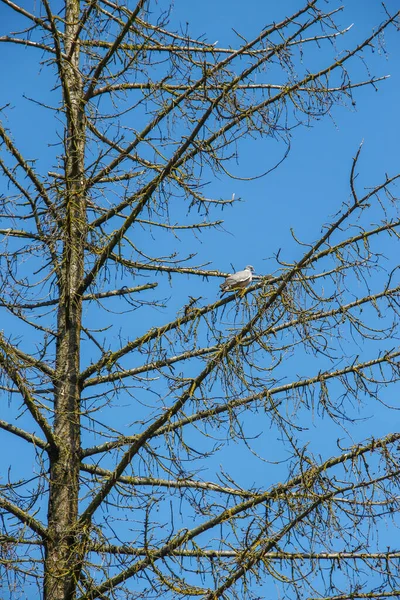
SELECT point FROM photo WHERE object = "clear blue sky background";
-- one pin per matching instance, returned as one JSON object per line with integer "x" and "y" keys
{"x": 302, "y": 193}
{"x": 311, "y": 184}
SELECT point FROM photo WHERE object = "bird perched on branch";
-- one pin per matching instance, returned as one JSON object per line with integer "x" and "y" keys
{"x": 238, "y": 280}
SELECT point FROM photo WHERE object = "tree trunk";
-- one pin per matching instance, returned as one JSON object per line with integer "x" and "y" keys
{"x": 63, "y": 546}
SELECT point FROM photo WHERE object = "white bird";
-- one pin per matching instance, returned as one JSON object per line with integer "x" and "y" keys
{"x": 238, "y": 280}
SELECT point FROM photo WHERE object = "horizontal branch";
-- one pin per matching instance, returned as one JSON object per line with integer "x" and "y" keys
{"x": 336, "y": 557}
{"x": 26, "y": 42}
{"x": 175, "y": 102}
{"x": 269, "y": 393}
{"x": 166, "y": 87}
{"x": 23, "y": 517}
{"x": 354, "y": 595}
{"x": 29, "y": 437}
{"x": 207, "y": 48}
{"x": 301, "y": 320}
{"x": 186, "y": 39}
{"x": 20, "y": 233}
{"x": 152, "y": 366}
{"x": 100, "y": 295}
{"x": 278, "y": 491}
{"x": 159, "y": 268}
{"x": 11, "y": 539}
{"x": 167, "y": 483}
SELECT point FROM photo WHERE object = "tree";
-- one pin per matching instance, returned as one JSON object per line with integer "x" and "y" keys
{"x": 130, "y": 417}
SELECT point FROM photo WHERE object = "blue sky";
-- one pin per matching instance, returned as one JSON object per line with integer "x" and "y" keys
{"x": 310, "y": 184}
{"x": 301, "y": 194}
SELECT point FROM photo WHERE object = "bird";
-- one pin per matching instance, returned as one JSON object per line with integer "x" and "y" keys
{"x": 238, "y": 280}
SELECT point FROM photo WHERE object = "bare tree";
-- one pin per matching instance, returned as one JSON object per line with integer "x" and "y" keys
{"x": 130, "y": 417}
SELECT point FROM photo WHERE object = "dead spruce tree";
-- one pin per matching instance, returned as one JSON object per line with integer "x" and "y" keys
{"x": 160, "y": 445}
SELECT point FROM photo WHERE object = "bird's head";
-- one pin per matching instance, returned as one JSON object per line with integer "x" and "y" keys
{"x": 249, "y": 268}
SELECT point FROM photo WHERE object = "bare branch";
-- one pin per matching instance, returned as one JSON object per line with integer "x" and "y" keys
{"x": 275, "y": 493}
{"x": 29, "y": 437}
{"x": 23, "y": 517}
{"x": 13, "y": 373}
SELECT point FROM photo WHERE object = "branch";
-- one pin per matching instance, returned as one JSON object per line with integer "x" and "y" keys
{"x": 220, "y": 355}
{"x": 45, "y": 239}
{"x": 156, "y": 482}
{"x": 111, "y": 294}
{"x": 244, "y": 115}
{"x": 159, "y": 364}
{"x": 27, "y": 14}
{"x": 28, "y": 170}
{"x": 269, "y": 393}
{"x": 10, "y": 539}
{"x": 201, "y": 47}
{"x": 20, "y": 233}
{"x": 355, "y": 595}
{"x": 254, "y": 554}
{"x": 198, "y": 84}
{"x": 158, "y": 268}
{"x": 112, "y": 50}
{"x": 155, "y": 365}
{"x": 24, "y": 517}
{"x": 29, "y": 437}
{"x": 167, "y": 87}
{"x": 235, "y": 554}
{"x": 276, "y": 493}
{"x": 24, "y": 42}
{"x": 13, "y": 374}
{"x": 9, "y": 350}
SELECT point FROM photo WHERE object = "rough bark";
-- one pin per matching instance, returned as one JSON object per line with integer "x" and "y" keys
{"x": 63, "y": 547}
{"x": 184, "y": 460}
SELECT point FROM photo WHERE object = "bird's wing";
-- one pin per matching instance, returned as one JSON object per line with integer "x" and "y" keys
{"x": 240, "y": 278}
{"x": 230, "y": 280}
{"x": 242, "y": 275}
